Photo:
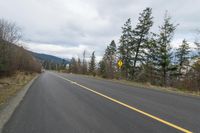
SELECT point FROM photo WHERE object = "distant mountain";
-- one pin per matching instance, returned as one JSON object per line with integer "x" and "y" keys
{"x": 49, "y": 58}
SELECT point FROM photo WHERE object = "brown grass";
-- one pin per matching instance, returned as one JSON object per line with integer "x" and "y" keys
{"x": 159, "y": 88}
{"x": 9, "y": 86}
{"x": 149, "y": 86}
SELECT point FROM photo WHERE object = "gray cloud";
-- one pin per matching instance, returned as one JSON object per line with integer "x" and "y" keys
{"x": 91, "y": 24}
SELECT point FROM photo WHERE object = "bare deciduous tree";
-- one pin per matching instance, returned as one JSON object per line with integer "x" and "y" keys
{"x": 9, "y": 31}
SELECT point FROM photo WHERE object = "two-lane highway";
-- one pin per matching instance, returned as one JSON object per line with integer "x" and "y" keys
{"x": 67, "y": 103}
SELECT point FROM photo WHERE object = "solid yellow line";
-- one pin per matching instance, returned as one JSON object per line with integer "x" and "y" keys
{"x": 130, "y": 107}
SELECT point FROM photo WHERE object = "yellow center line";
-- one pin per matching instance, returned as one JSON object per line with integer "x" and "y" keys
{"x": 128, "y": 106}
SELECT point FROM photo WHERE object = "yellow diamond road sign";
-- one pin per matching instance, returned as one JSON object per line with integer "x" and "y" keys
{"x": 120, "y": 63}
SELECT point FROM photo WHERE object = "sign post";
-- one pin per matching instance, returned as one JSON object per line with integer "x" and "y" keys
{"x": 120, "y": 63}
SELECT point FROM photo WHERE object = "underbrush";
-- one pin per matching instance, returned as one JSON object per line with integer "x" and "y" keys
{"x": 10, "y": 85}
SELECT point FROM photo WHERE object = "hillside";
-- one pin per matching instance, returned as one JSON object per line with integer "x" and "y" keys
{"x": 50, "y": 62}
{"x": 46, "y": 57}
{"x": 14, "y": 58}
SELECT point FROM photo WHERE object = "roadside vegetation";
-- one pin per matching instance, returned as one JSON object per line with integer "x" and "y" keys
{"x": 9, "y": 86}
{"x": 147, "y": 57}
{"x": 17, "y": 65}
{"x": 13, "y": 57}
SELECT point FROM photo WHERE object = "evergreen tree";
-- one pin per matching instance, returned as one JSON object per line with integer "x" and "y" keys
{"x": 182, "y": 55}
{"x": 102, "y": 68}
{"x": 110, "y": 59}
{"x": 140, "y": 35}
{"x": 148, "y": 69}
{"x": 73, "y": 65}
{"x": 164, "y": 54}
{"x": 92, "y": 64}
{"x": 125, "y": 47}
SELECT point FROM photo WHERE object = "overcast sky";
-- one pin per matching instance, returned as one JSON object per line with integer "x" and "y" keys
{"x": 66, "y": 27}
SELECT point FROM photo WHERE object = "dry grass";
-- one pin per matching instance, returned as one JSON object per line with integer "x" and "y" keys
{"x": 9, "y": 86}
{"x": 159, "y": 88}
{"x": 149, "y": 86}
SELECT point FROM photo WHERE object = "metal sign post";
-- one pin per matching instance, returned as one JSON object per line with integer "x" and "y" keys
{"x": 120, "y": 63}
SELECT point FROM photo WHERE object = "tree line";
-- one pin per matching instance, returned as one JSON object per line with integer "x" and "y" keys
{"x": 147, "y": 56}
{"x": 12, "y": 57}
{"x": 52, "y": 65}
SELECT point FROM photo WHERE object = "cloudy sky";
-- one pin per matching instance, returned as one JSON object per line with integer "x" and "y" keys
{"x": 67, "y": 27}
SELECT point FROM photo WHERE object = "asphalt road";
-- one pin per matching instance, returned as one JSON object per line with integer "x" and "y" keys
{"x": 68, "y": 103}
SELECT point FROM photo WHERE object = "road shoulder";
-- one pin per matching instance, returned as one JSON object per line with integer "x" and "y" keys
{"x": 148, "y": 86}
{"x": 8, "y": 108}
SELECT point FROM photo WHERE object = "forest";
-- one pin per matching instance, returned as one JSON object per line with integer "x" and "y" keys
{"x": 147, "y": 57}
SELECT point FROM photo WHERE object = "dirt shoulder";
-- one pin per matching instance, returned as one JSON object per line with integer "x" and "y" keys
{"x": 9, "y": 86}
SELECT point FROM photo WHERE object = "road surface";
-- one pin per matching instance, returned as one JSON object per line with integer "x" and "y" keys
{"x": 67, "y": 103}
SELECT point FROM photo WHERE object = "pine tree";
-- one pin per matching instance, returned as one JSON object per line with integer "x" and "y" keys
{"x": 92, "y": 64}
{"x": 148, "y": 69}
{"x": 73, "y": 65}
{"x": 110, "y": 59}
{"x": 140, "y": 35}
{"x": 164, "y": 54}
{"x": 102, "y": 69}
{"x": 182, "y": 55}
{"x": 125, "y": 47}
